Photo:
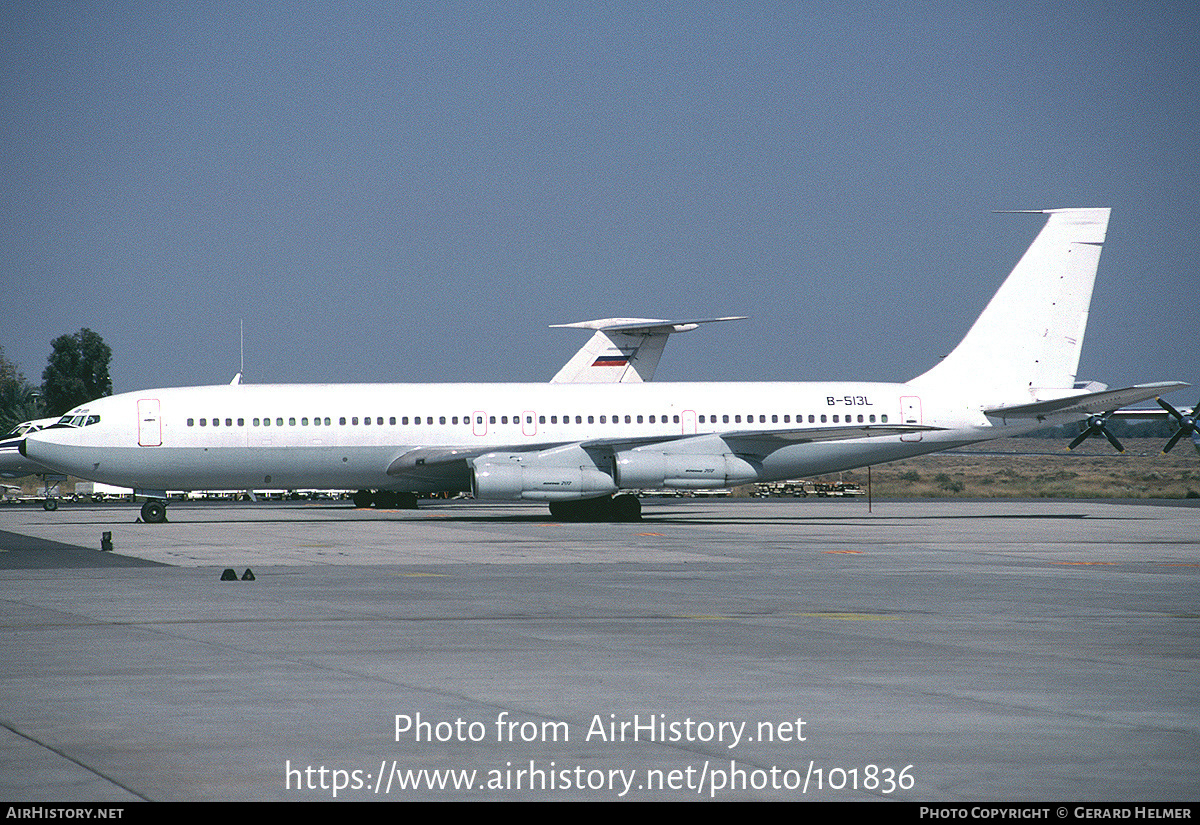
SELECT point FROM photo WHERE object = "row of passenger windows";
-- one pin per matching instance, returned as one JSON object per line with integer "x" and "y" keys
{"x": 735, "y": 418}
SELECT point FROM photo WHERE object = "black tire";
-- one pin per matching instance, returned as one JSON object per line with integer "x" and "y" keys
{"x": 50, "y": 504}
{"x": 626, "y": 507}
{"x": 621, "y": 508}
{"x": 362, "y": 498}
{"x": 154, "y": 512}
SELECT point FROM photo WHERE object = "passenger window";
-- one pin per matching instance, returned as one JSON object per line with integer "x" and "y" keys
{"x": 191, "y": 422}
{"x": 304, "y": 422}
{"x": 883, "y": 418}
{"x": 203, "y": 422}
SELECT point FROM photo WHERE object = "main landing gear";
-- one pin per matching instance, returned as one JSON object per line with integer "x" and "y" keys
{"x": 385, "y": 500}
{"x": 624, "y": 507}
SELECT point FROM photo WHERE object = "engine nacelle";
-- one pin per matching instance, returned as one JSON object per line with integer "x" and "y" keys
{"x": 525, "y": 478}
{"x": 637, "y": 469}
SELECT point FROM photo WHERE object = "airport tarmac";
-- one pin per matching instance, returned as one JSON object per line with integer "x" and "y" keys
{"x": 944, "y": 651}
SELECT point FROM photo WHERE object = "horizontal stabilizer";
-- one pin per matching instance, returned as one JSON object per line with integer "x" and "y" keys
{"x": 1086, "y": 403}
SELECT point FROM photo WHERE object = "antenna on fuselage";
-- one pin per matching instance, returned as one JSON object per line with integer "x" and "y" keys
{"x": 237, "y": 379}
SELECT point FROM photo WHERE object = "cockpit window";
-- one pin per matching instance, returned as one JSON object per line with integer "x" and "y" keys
{"x": 77, "y": 420}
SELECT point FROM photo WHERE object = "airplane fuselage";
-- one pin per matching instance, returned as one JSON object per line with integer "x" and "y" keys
{"x": 350, "y": 436}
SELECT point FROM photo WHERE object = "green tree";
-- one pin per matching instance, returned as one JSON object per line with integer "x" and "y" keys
{"x": 18, "y": 400}
{"x": 76, "y": 372}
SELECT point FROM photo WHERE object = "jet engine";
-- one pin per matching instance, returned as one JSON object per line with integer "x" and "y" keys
{"x": 645, "y": 469}
{"x": 526, "y": 477}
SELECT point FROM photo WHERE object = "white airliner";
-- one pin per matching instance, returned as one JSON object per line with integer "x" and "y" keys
{"x": 578, "y": 445}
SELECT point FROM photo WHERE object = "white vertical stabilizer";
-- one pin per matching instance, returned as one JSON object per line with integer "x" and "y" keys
{"x": 1026, "y": 344}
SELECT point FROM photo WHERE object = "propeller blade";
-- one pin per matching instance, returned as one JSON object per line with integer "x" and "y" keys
{"x": 1174, "y": 440}
{"x": 1079, "y": 439}
{"x": 1187, "y": 424}
{"x": 1096, "y": 424}
{"x": 1169, "y": 409}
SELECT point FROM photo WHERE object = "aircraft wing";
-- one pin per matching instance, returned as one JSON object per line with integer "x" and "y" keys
{"x": 623, "y": 350}
{"x": 1093, "y": 402}
{"x": 419, "y": 459}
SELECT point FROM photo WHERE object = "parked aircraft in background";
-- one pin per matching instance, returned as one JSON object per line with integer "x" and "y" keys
{"x": 623, "y": 350}
{"x": 12, "y": 463}
{"x": 577, "y": 446}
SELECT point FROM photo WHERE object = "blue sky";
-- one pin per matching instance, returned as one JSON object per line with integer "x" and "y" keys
{"x": 411, "y": 192}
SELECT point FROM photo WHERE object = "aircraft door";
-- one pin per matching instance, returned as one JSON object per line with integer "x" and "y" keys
{"x": 479, "y": 422}
{"x": 529, "y": 422}
{"x": 910, "y": 413}
{"x": 689, "y": 422}
{"x": 149, "y": 423}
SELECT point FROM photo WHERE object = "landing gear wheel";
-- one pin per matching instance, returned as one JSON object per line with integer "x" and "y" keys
{"x": 154, "y": 512}
{"x": 626, "y": 507}
{"x": 362, "y": 498}
{"x": 50, "y": 504}
{"x": 621, "y": 508}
